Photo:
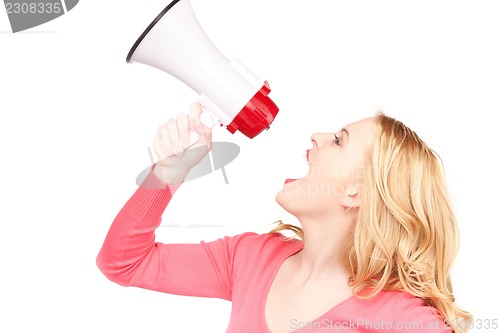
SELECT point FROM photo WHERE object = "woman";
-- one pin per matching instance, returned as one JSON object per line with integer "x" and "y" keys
{"x": 374, "y": 253}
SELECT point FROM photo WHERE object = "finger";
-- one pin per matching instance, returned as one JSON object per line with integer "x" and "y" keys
{"x": 165, "y": 140}
{"x": 208, "y": 136}
{"x": 197, "y": 126}
{"x": 203, "y": 131}
{"x": 157, "y": 146}
{"x": 183, "y": 126}
{"x": 173, "y": 134}
{"x": 195, "y": 111}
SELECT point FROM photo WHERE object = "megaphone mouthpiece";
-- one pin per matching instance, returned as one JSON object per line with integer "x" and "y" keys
{"x": 175, "y": 43}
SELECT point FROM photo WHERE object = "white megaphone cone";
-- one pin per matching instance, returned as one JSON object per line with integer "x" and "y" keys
{"x": 175, "y": 43}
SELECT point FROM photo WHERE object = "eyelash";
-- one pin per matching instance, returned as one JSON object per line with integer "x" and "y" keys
{"x": 336, "y": 140}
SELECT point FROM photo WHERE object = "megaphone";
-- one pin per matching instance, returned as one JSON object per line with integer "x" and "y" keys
{"x": 175, "y": 43}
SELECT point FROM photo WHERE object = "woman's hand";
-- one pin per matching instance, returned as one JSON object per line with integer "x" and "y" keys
{"x": 174, "y": 149}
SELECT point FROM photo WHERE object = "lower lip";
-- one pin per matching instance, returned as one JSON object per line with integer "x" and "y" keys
{"x": 290, "y": 180}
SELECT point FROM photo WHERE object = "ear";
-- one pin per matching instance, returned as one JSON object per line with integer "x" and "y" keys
{"x": 351, "y": 197}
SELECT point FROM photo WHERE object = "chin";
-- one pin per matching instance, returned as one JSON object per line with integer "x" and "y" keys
{"x": 289, "y": 197}
{"x": 304, "y": 196}
{"x": 286, "y": 204}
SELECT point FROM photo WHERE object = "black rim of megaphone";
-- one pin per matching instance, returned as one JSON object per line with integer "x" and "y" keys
{"x": 148, "y": 29}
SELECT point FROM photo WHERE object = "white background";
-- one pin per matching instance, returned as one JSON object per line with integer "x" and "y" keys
{"x": 77, "y": 121}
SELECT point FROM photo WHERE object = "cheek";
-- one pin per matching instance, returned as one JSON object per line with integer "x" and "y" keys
{"x": 341, "y": 170}
{"x": 328, "y": 173}
{"x": 308, "y": 193}
{"x": 324, "y": 188}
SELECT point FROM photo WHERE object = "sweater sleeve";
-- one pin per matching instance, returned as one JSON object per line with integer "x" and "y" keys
{"x": 131, "y": 257}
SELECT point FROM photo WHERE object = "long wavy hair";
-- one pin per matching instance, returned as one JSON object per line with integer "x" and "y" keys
{"x": 406, "y": 235}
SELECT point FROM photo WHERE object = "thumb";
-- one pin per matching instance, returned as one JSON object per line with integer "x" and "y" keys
{"x": 195, "y": 112}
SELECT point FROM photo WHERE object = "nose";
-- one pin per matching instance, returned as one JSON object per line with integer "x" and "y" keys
{"x": 313, "y": 140}
{"x": 317, "y": 139}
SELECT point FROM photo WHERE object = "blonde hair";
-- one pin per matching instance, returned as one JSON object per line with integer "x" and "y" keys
{"x": 406, "y": 236}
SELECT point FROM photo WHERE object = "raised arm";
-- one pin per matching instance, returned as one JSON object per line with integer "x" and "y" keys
{"x": 130, "y": 256}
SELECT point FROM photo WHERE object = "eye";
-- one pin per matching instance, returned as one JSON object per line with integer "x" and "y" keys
{"x": 337, "y": 140}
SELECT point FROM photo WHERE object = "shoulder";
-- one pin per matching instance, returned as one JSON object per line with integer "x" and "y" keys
{"x": 415, "y": 310}
{"x": 410, "y": 313}
{"x": 252, "y": 249}
{"x": 255, "y": 243}
{"x": 262, "y": 243}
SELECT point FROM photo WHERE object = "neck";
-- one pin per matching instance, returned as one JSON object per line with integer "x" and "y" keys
{"x": 325, "y": 241}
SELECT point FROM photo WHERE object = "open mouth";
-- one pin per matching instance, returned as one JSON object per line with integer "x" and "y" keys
{"x": 306, "y": 158}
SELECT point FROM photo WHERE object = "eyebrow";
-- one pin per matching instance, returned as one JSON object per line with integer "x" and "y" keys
{"x": 346, "y": 132}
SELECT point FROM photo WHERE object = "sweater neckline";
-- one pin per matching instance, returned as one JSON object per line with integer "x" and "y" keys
{"x": 291, "y": 250}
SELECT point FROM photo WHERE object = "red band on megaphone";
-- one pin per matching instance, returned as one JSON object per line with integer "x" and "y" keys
{"x": 256, "y": 115}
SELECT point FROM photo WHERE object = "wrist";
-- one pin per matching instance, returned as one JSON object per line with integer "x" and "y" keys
{"x": 169, "y": 175}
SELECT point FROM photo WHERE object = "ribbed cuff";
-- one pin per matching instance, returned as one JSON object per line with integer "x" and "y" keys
{"x": 150, "y": 200}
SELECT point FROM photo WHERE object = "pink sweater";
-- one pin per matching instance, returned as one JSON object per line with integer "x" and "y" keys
{"x": 239, "y": 269}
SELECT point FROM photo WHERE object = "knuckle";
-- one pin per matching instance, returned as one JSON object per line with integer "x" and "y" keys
{"x": 171, "y": 125}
